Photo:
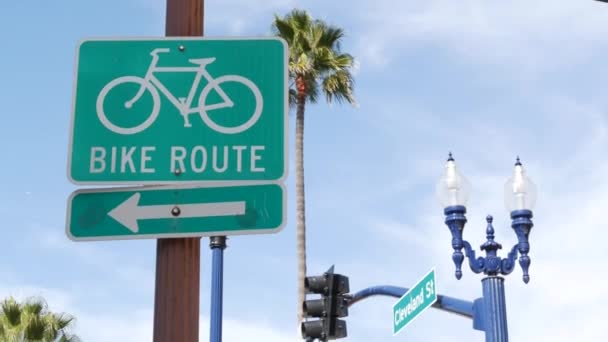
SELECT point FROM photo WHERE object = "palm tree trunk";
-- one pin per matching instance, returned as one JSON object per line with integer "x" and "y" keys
{"x": 300, "y": 207}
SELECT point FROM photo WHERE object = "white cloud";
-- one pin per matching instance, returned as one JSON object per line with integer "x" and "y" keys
{"x": 567, "y": 242}
{"x": 237, "y": 331}
{"x": 125, "y": 324}
{"x": 137, "y": 327}
{"x": 57, "y": 299}
{"x": 379, "y": 199}
{"x": 538, "y": 35}
{"x": 93, "y": 257}
{"x": 118, "y": 326}
{"x": 232, "y": 17}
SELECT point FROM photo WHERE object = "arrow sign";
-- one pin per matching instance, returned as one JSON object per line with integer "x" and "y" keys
{"x": 175, "y": 211}
{"x": 128, "y": 212}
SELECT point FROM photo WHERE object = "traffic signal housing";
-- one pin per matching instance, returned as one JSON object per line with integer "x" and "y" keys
{"x": 332, "y": 305}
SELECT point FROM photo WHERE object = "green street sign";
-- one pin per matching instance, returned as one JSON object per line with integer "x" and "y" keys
{"x": 171, "y": 110}
{"x": 414, "y": 302}
{"x": 154, "y": 212}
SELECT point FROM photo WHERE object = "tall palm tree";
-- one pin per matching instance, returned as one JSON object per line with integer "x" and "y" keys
{"x": 32, "y": 322}
{"x": 316, "y": 65}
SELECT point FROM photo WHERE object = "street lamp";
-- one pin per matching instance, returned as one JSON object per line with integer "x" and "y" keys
{"x": 520, "y": 196}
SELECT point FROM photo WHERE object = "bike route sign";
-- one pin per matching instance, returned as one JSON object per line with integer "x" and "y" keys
{"x": 170, "y": 110}
{"x": 415, "y": 301}
{"x": 175, "y": 211}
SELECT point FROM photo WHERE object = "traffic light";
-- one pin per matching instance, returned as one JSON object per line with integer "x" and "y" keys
{"x": 332, "y": 305}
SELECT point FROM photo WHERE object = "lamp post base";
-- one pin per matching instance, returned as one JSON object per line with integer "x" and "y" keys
{"x": 495, "y": 309}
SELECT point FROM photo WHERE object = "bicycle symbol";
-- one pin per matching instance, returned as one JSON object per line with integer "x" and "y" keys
{"x": 150, "y": 83}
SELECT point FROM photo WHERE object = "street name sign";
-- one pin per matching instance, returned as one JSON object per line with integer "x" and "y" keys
{"x": 174, "y": 110}
{"x": 414, "y": 302}
{"x": 175, "y": 211}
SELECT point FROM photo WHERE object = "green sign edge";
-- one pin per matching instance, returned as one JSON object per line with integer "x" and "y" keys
{"x": 173, "y": 235}
{"x": 410, "y": 290}
{"x": 284, "y": 174}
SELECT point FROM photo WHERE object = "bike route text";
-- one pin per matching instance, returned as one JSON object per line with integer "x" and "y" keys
{"x": 197, "y": 159}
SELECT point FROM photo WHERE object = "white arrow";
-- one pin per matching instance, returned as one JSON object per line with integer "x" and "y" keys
{"x": 128, "y": 212}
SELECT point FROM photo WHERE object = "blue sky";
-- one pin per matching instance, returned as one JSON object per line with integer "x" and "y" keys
{"x": 487, "y": 80}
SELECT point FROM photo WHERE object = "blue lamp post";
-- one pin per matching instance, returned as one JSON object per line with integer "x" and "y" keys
{"x": 520, "y": 195}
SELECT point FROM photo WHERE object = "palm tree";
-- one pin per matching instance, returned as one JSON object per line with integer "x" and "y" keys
{"x": 316, "y": 65}
{"x": 32, "y": 322}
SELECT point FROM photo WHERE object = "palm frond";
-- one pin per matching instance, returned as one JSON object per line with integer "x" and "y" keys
{"x": 31, "y": 321}
{"x": 299, "y": 19}
{"x": 302, "y": 65}
{"x": 34, "y": 306}
{"x": 315, "y": 57}
{"x": 316, "y": 33}
{"x": 35, "y": 328}
{"x": 11, "y": 311}
{"x": 302, "y": 43}
{"x": 282, "y": 29}
{"x": 293, "y": 28}
{"x": 331, "y": 37}
{"x": 338, "y": 87}
{"x": 61, "y": 321}
{"x": 323, "y": 60}
{"x": 344, "y": 61}
{"x": 69, "y": 338}
{"x": 328, "y": 61}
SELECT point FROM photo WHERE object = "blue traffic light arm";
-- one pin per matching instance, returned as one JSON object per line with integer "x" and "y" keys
{"x": 460, "y": 307}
